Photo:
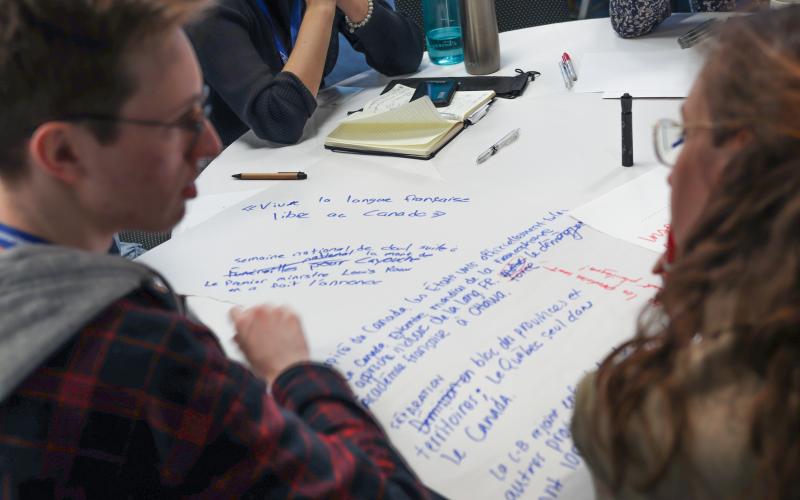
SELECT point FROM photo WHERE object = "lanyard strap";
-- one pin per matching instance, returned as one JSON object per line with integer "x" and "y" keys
{"x": 294, "y": 27}
{"x": 11, "y": 237}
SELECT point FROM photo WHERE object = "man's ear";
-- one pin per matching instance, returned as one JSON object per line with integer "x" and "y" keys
{"x": 55, "y": 149}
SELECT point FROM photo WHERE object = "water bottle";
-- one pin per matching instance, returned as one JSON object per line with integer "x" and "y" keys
{"x": 442, "y": 31}
{"x": 481, "y": 40}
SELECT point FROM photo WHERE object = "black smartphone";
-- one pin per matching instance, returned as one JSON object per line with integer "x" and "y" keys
{"x": 440, "y": 91}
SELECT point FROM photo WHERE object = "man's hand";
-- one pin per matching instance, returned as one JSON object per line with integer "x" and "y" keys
{"x": 271, "y": 339}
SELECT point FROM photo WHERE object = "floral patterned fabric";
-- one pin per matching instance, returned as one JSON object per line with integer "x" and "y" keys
{"x": 632, "y": 18}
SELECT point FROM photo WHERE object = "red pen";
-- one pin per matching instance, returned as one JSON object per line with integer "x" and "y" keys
{"x": 568, "y": 63}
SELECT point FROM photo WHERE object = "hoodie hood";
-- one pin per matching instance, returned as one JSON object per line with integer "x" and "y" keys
{"x": 48, "y": 294}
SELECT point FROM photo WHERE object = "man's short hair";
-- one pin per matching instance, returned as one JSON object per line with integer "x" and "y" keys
{"x": 68, "y": 57}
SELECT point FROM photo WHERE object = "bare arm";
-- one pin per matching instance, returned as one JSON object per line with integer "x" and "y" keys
{"x": 307, "y": 60}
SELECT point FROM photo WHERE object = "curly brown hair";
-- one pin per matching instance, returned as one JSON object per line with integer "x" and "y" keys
{"x": 746, "y": 245}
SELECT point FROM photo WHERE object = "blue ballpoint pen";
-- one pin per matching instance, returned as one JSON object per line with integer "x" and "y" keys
{"x": 505, "y": 141}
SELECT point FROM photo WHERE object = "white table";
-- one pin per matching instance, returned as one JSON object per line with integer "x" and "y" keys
{"x": 558, "y": 127}
{"x": 567, "y": 155}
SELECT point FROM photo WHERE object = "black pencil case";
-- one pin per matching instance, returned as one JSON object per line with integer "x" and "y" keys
{"x": 507, "y": 87}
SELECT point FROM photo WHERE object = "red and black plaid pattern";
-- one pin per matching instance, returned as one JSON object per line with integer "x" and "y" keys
{"x": 144, "y": 403}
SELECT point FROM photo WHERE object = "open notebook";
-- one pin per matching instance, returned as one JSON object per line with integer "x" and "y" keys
{"x": 390, "y": 125}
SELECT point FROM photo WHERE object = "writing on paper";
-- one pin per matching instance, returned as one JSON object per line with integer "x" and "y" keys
{"x": 408, "y": 206}
{"x": 495, "y": 338}
{"x": 335, "y": 266}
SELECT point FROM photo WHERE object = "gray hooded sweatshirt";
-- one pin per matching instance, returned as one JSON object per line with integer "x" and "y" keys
{"x": 48, "y": 294}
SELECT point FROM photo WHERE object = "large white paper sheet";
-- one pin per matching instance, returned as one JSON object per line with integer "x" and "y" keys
{"x": 463, "y": 329}
{"x": 637, "y": 212}
{"x": 203, "y": 208}
{"x": 662, "y": 73}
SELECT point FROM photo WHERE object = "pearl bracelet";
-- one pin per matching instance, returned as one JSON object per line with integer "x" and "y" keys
{"x": 352, "y": 27}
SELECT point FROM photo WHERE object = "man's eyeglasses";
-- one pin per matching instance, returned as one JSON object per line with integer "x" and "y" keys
{"x": 194, "y": 120}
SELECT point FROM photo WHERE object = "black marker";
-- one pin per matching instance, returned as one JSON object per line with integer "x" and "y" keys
{"x": 627, "y": 130}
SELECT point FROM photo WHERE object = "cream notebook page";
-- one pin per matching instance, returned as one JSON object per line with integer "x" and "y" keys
{"x": 412, "y": 124}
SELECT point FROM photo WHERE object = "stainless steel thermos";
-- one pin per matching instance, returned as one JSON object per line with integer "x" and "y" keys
{"x": 480, "y": 37}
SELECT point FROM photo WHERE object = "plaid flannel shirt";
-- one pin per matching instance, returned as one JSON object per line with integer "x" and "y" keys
{"x": 143, "y": 403}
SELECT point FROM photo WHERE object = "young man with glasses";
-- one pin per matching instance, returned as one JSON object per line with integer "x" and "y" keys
{"x": 106, "y": 389}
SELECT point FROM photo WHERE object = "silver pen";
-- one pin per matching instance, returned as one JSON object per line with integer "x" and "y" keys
{"x": 565, "y": 74}
{"x": 505, "y": 141}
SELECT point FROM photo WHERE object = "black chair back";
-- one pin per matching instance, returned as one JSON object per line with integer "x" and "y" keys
{"x": 518, "y": 14}
{"x": 146, "y": 239}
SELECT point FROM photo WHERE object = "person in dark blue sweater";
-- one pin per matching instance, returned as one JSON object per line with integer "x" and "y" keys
{"x": 265, "y": 60}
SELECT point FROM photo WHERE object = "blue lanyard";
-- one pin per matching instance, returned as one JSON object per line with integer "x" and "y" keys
{"x": 294, "y": 27}
{"x": 11, "y": 237}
